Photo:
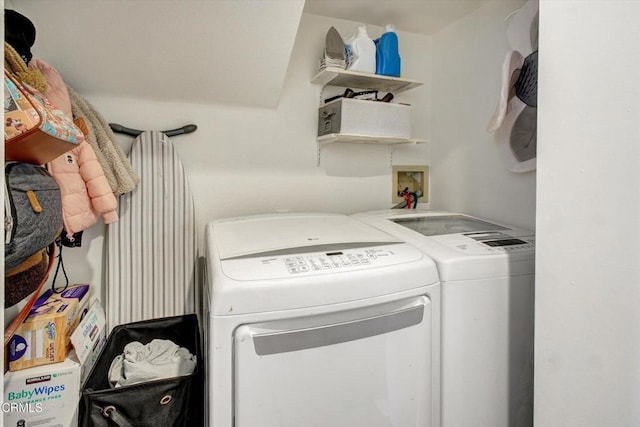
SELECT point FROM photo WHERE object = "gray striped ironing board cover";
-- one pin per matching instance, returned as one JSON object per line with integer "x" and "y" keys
{"x": 152, "y": 250}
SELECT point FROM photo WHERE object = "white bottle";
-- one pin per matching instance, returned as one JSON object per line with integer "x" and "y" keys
{"x": 361, "y": 52}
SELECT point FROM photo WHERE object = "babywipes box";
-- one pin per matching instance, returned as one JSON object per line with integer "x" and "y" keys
{"x": 89, "y": 338}
{"x": 364, "y": 117}
{"x": 43, "y": 396}
{"x": 44, "y": 336}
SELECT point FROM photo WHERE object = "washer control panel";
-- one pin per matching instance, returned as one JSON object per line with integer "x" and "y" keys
{"x": 335, "y": 261}
{"x": 502, "y": 242}
{"x": 489, "y": 242}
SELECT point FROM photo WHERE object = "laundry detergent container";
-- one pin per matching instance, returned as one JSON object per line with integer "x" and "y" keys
{"x": 177, "y": 401}
{"x": 364, "y": 117}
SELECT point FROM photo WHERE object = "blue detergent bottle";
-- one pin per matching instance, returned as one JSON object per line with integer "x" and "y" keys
{"x": 387, "y": 55}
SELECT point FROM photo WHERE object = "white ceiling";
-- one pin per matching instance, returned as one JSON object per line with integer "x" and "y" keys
{"x": 415, "y": 16}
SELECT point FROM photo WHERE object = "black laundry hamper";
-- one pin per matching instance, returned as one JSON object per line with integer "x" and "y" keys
{"x": 177, "y": 401}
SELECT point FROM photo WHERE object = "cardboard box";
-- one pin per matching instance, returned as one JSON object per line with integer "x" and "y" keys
{"x": 44, "y": 396}
{"x": 89, "y": 338}
{"x": 364, "y": 117}
{"x": 44, "y": 336}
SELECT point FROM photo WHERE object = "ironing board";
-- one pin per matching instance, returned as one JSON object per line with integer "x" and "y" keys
{"x": 151, "y": 255}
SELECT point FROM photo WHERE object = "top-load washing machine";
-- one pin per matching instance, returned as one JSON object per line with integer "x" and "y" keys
{"x": 319, "y": 320}
{"x": 487, "y": 277}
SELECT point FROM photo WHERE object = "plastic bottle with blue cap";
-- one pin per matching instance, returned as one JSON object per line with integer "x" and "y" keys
{"x": 387, "y": 54}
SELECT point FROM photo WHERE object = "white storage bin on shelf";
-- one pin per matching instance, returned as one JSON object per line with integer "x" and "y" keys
{"x": 364, "y": 117}
{"x": 358, "y": 129}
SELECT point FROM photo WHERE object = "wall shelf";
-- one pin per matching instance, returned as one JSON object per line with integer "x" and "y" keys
{"x": 355, "y": 79}
{"x": 365, "y": 139}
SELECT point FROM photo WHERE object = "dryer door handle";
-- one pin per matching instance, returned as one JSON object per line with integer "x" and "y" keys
{"x": 307, "y": 338}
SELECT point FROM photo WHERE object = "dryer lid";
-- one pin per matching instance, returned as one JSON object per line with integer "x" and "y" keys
{"x": 293, "y": 233}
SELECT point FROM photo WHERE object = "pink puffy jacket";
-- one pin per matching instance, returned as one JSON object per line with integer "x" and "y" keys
{"x": 86, "y": 193}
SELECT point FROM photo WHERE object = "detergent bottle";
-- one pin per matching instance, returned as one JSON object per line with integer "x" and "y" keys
{"x": 361, "y": 52}
{"x": 387, "y": 55}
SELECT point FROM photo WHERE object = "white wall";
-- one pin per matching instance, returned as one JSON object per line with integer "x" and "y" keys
{"x": 203, "y": 51}
{"x": 245, "y": 160}
{"x": 588, "y": 216}
{"x": 467, "y": 172}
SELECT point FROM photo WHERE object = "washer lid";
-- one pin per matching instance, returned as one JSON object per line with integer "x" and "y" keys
{"x": 463, "y": 247}
{"x": 293, "y": 233}
{"x": 446, "y": 224}
{"x": 428, "y": 222}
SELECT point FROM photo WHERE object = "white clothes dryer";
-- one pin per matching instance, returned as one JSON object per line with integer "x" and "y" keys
{"x": 487, "y": 277}
{"x": 319, "y": 320}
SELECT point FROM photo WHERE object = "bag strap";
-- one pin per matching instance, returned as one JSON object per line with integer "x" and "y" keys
{"x": 58, "y": 243}
{"x": 10, "y": 330}
{"x": 111, "y": 413}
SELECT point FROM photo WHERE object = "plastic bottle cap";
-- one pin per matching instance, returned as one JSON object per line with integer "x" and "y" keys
{"x": 389, "y": 28}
